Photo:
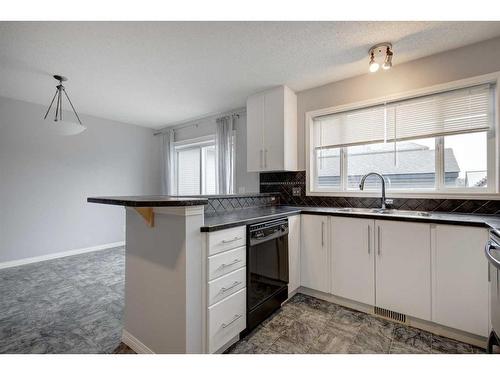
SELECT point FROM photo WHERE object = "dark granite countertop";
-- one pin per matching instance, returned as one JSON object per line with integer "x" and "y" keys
{"x": 150, "y": 201}
{"x": 219, "y": 221}
{"x": 244, "y": 216}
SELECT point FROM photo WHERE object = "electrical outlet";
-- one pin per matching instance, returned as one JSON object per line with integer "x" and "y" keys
{"x": 296, "y": 191}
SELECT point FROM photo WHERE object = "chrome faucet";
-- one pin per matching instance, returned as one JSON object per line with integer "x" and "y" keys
{"x": 362, "y": 185}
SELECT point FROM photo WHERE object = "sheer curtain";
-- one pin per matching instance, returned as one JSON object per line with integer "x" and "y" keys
{"x": 225, "y": 154}
{"x": 167, "y": 163}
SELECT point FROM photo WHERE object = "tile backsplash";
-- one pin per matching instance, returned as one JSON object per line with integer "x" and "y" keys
{"x": 230, "y": 203}
{"x": 292, "y": 189}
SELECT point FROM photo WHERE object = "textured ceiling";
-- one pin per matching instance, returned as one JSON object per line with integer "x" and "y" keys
{"x": 157, "y": 73}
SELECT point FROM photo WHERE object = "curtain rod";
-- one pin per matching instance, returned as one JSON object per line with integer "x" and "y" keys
{"x": 196, "y": 123}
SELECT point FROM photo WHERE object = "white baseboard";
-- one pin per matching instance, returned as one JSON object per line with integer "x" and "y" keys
{"x": 133, "y": 343}
{"x": 62, "y": 254}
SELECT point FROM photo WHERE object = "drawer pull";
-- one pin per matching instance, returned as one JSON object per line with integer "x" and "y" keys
{"x": 225, "y": 265}
{"x": 236, "y": 317}
{"x": 234, "y": 239}
{"x": 235, "y": 284}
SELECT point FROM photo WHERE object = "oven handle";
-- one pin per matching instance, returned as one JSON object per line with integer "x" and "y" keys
{"x": 487, "y": 250}
{"x": 255, "y": 241}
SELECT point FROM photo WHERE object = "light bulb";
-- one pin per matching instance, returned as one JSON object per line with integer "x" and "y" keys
{"x": 388, "y": 59}
{"x": 373, "y": 66}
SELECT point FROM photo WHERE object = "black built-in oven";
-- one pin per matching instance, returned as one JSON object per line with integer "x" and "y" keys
{"x": 267, "y": 269}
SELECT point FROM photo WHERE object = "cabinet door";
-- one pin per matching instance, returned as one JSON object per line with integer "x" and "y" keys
{"x": 255, "y": 123}
{"x": 274, "y": 130}
{"x": 403, "y": 267}
{"x": 460, "y": 278}
{"x": 353, "y": 259}
{"x": 314, "y": 252}
{"x": 293, "y": 253}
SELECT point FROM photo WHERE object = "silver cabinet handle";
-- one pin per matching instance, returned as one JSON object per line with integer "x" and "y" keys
{"x": 225, "y": 289}
{"x": 234, "y": 239}
{"x": 487, "y": 250}
{"x": 369, "y": 239}
{"x": 236, "y": 317}
{"x": 265, "y": 158}
{"x": 322, "y": 234}
{"x": 378, "y": 239}
{"x": 261, "y": 158}
{"x": 224, "y": 265}
{"x": 489, "y": 275}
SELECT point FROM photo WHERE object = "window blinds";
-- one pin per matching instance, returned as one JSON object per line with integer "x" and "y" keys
{"x": 459, "y": 111}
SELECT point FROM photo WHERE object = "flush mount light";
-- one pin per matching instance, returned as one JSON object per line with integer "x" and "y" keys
{"x": 378, "y": 53}
{"x": 58, "y": 124}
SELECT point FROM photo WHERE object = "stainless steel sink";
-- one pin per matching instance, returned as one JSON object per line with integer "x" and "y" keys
{"x": 387, "y": 211}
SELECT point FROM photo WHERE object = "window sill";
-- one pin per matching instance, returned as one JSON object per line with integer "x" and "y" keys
{"x": 416, "y": 194}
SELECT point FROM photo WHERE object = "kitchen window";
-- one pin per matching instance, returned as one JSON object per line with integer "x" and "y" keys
{"x": 438, "y": 143}
{"x": 195, "y": 167}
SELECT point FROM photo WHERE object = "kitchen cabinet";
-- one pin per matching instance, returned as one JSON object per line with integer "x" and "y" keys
{"x": 353, "y": 259}
{"x": 225, "y": 287}
{"x": 293, "y": 253}
{"x": 272, "y": 130}
{"x": 460, "y": 278}
{"x": 403, "y": 272}
{"x": 314, "y": 252}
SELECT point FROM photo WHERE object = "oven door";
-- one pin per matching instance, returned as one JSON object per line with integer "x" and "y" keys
{"x": 267, "y": 268}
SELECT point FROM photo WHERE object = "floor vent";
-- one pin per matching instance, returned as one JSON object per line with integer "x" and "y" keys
{"x": 398, "y": 317}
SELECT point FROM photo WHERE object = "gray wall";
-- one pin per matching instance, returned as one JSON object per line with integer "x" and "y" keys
{"x": 246, "y": 182}
{"x": 475, "y": 59}
{"x": 45, "y": 180}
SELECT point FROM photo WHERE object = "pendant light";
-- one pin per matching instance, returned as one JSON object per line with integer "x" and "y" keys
{"x": 57, "y": 124}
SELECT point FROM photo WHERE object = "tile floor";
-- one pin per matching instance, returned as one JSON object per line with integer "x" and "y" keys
{"x": 75, "y": 305}
{"x": 309, "y": 325}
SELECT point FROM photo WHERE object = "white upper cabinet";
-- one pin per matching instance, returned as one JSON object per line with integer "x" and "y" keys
{"x": 314, "y": 253}
{"x": 460, "y": 278}
{"x": 272, "y": 130}
{"x": 402, "y": 263}
{"x": 353, "y": 265}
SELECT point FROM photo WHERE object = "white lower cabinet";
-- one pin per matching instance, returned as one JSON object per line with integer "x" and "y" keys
{"x": 403, "y": 267}
{"x": 433, "y": 272}
{"x": 352, "y": 263}
{"x": 293, "y": 253}
{"x": 314, "y": 253}
{"x": 225, "y": 287}
{"x": 226, "y": 320}
{"x": 460, "y": 278}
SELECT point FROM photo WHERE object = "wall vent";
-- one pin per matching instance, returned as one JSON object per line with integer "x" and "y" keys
{"x": 398, "y": 317}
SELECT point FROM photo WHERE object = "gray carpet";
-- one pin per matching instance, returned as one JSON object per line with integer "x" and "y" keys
{"x": 66, "y": 305}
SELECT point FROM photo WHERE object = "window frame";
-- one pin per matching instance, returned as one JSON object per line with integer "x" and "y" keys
{"x": 190, "y": 144}
{"x": 440, "y": 190}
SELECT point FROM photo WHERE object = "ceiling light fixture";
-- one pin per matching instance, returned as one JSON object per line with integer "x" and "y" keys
{"x": 58, "y": 125}
{"x": 380, "y": 52}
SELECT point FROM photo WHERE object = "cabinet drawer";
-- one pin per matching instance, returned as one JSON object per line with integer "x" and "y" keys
{"x": 226, "y": 319}
{"x": 228, "y": 261}
{"x": 226, "y": 239}
{"x": 226, "y": 285}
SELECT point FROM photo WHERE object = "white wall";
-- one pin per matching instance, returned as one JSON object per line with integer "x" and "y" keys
{"x": 473, "y": 60}
{"x": 245, "y": 182}
{"x": 45, "y": 181}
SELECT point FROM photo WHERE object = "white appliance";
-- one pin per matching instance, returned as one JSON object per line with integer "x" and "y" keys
{"x": 492, "y": 251}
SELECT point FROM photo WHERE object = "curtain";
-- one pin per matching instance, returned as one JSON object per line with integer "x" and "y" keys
{"x": 225, "y": 154}
{"x": 167, "y": 163}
